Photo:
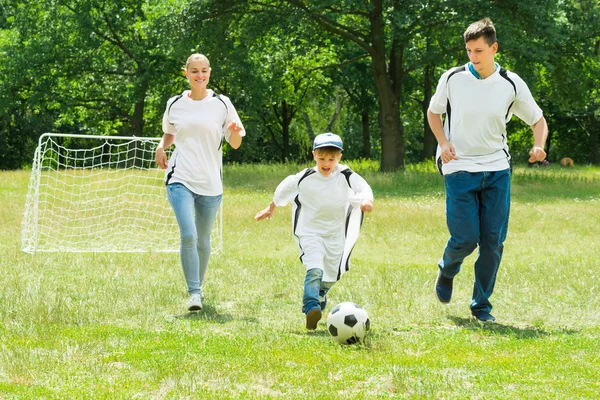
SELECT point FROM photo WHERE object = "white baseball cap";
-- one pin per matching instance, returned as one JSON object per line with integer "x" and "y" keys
{"x": 327, "y": 140}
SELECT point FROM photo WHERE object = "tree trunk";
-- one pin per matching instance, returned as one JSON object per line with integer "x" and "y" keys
{"x": 366, "y": 134}
{"x": 390, "y": 124}
{"x": 285, "y": 132}
{"x": 429, "y": 142}
{"x": 594, "y": 156}
{"x": 137, "y": 120}
{"x": 388, "y": 82}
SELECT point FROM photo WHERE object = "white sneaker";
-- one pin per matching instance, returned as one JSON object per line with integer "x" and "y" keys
{"x": 195, "y": 303}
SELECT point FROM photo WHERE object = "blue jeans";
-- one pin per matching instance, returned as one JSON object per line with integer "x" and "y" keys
{"x": 195, "y": 216}
{"x": 313, "y": 288}
{"x": 477, "y": 211}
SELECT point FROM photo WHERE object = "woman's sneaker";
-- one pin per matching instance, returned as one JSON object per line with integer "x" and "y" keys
{"x": 195, "y": 303}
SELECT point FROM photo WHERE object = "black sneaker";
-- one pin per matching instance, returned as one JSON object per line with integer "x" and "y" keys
{"x": 484, "y": 316}
{"x": 443, "y": 288}
{"x": 312, "y": 318}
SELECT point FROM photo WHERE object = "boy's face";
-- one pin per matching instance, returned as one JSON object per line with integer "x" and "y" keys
{"x": 326, "y": 162}
{"x": 481, "y": 54}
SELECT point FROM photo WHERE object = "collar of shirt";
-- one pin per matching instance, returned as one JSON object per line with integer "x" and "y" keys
{"x": 475, "y": 74}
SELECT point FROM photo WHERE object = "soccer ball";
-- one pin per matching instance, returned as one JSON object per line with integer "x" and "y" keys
{"x": 348, "y": 323}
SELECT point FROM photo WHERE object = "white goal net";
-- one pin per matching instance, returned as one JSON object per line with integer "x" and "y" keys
{"x": 100, "y": 194}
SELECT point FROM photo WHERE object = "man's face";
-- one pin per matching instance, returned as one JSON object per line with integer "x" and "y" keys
{"x": 481, "y": 54}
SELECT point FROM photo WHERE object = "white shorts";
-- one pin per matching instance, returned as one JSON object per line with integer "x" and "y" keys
{"x": 331, "y": 254}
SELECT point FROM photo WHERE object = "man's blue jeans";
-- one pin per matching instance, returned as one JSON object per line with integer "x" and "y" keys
{"x": 195, "y": 216}
{"x": 314, "y": 287}
{"x": 477, "y": 211}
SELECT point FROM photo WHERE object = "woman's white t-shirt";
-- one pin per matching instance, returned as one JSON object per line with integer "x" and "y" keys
{"x": 199, "y": 127}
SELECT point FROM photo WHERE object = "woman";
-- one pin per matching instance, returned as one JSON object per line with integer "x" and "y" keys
{"x": 196, "y": 121}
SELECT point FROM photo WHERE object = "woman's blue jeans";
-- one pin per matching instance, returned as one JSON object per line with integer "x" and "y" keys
{"x": 477, "y": 211}
{"x": 195, "y": 216}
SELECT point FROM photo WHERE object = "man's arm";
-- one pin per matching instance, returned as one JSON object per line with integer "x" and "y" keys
{"x": 435, "y": 123}
{"x": 540, "y": 134}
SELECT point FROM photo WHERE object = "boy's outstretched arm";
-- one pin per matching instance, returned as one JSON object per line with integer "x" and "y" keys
{"x": 267, "y": 213}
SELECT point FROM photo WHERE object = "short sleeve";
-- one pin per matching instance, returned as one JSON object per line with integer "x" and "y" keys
{"x": 287, "y": 189}
{"x": 231, "y": 116}
{"x": 525, "y": 107}
{"x": 439, "y": 100}
{"x": 167, "y": 126}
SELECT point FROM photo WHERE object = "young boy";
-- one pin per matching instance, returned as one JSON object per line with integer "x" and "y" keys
{"x": 328, "y": 204}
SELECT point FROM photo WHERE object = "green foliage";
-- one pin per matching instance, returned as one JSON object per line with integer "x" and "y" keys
{"x": 84, "y": 66}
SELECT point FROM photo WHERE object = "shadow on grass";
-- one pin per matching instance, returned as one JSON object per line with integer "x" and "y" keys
{"x": 527, "y": 332}
{"x": 208, "y": 313}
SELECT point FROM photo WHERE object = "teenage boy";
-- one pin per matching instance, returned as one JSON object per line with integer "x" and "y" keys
{"x": 479, "y": 98}
{"x": 328, "y": 204}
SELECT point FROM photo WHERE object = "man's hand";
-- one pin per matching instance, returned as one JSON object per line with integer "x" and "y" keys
{"x": 537, "y": 153}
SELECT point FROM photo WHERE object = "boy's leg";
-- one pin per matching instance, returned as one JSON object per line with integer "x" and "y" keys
{"x": 495, "y": 209}
{"x": 325, "y": 286}
{"x": 310, "y": 300}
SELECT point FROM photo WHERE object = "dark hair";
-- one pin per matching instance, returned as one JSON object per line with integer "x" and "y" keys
{"x": 483, "y": 27}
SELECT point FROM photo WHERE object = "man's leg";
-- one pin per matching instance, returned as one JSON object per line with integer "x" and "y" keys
{"x": 462, "y": 218}
{"x": 494, "y": 211}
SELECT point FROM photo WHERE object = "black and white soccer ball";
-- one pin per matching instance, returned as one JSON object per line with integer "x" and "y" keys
{"x": 348, "y": 323}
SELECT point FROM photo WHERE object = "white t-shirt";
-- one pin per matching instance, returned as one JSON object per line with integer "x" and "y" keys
{"x": 199, "y": 127}
{"x": 321, "y": 202}
{"x": 475, "y": 124}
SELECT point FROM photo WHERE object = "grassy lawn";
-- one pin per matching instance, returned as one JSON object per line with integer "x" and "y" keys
{"x": 114, "y": 326}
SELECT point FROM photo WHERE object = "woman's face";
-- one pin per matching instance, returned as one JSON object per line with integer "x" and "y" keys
{"x": 198, "y": 74}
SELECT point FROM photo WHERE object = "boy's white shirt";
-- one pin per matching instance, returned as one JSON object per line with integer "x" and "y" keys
{"x": 324, "y": 200}
{"x": 199, "y": 127}
{"x": 478, "y": 117}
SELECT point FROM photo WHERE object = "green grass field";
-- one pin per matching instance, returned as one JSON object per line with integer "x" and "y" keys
{"x": 114, "y": 326}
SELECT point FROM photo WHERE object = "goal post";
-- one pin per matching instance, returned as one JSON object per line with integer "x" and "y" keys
{"x": 100, "y": 194}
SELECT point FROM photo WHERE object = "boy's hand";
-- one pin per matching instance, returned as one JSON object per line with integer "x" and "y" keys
{"x": 267, "y": 213}
{"x": 366, "y": 205}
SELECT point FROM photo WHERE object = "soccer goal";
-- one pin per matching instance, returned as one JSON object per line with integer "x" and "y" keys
{"x": 100, "y": 194}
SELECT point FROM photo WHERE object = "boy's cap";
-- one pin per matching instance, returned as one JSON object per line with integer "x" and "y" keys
{"x": 326, "y": 140}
